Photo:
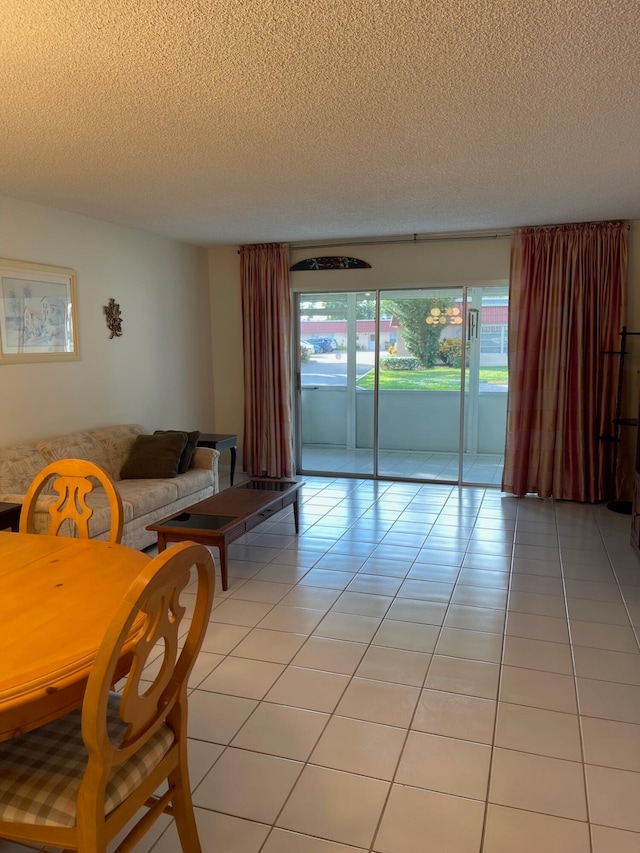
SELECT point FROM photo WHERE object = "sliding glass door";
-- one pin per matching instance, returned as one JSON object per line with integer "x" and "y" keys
{"x": 403, "y": 384}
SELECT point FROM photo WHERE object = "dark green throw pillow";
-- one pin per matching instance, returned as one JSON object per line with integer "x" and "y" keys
{"x": 154, "y": 457}
{"x": 189, "y": 449}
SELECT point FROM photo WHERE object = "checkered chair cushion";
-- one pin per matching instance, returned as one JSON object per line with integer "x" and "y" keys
{"x": 40, "y": 772}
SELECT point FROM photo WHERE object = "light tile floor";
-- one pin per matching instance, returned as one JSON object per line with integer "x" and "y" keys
{"x": 423, "y": 668}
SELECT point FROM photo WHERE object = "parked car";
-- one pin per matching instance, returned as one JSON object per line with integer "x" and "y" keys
{"x": 323, "y": 344}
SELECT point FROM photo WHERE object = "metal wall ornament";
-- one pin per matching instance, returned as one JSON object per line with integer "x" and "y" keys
{"x": 330, "y": 263}
{"x": 114, "y": 318}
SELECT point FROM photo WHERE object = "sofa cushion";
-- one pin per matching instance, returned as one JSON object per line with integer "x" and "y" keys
{"x": 74, "y": 445}
{"x": 19, "y": 464}
{"x": 189, "y": 448}
{"x": 117, "y": 441}
{"x": 154, "y": 457}
{"x": 142, "y": 496}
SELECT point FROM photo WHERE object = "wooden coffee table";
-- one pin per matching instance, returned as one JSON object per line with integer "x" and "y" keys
{"x": 225, "y": 517}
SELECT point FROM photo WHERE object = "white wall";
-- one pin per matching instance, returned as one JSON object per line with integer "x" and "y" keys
{"x": 430, "y": 263}
{"x": 158, "y": 373}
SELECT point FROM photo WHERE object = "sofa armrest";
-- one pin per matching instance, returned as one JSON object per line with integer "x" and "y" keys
{"x": 9, "y": 498}
{"x": 42, "y": 506}
{"x": 207, "y": 457}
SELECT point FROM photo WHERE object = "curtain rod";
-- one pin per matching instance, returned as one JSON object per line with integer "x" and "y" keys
{"x": 428, "y": 238}
{"x": 431, "y": 238}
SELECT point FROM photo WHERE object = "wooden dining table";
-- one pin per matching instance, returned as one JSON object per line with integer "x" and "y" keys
{"x": 57, "y": 598}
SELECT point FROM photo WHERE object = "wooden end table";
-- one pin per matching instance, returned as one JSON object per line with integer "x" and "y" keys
{"x": 221, "y": 442}
{"x": 225, "y": 517}
{"x": 10, "y": 516}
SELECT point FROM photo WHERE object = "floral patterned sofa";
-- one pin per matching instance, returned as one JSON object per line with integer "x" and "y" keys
{"x": 144, "y": 501}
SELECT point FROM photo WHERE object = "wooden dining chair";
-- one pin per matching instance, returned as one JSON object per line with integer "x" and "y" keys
{"x": 76, "y": 782}
{"x": 73, "y": 480}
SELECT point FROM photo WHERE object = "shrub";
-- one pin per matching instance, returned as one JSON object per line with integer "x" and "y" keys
{"x": 450, "y": 352}
{"x": 399, "y": 363}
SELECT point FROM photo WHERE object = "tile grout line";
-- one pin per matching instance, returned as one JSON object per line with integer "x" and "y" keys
{"x": 498, "y": 691}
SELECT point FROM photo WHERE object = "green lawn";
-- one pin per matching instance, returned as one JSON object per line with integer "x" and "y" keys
{"x": 433, "y": 379}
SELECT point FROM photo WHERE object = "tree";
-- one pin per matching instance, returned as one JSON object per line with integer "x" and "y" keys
{"x": 421, "y": 339}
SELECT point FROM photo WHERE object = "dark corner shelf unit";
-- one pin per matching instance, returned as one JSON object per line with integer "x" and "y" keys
{"x": 614, "y": 503}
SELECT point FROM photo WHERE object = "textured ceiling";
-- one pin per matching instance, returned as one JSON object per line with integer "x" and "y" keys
{"x": 235, "y": 121}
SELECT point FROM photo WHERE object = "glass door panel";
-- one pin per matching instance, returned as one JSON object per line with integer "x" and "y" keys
{"x": 420, "y": 383}
{"x": 337, "y": 349}
{"x": 485, "y": 402}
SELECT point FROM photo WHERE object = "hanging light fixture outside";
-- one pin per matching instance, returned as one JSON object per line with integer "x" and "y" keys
{"x": 448, "y": 317}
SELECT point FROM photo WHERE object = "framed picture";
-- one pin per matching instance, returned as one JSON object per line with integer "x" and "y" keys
{"x": 38, "y": 313}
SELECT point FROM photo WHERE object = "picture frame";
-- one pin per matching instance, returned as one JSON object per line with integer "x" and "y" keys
{"x": 38, "y": 313}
